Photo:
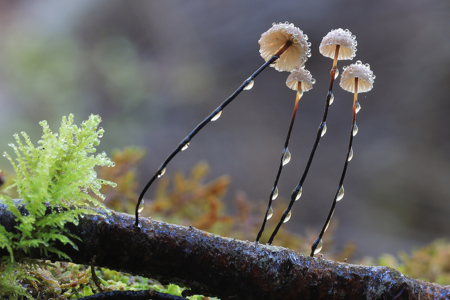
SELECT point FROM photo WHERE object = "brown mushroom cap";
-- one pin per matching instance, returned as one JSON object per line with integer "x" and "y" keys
{"x": 341, "y": 37}
{"x": 362, "y": 72}
{"x": 276, "y": 37}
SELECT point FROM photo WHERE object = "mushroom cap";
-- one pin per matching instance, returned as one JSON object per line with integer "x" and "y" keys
{"x": 341, "y": 37}
{"x": 276, "y": 37}
{"x": 362, "y": 72}
{"x": 302, "y": 75}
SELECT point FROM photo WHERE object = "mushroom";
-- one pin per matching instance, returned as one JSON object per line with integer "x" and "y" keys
{"x": 300, "y": 80}
{"x": 288, "y": 42}
{"x": 356, "y": 78}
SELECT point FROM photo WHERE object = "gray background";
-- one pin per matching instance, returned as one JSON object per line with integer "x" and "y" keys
{"x": 154, "y": 69}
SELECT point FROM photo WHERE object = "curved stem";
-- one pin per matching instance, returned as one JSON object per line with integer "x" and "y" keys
{"x": 285, "y": 151}
{"x": 298, "y": 188}
{"x": 217, "y": 111}
{"x": 341, "y": 181}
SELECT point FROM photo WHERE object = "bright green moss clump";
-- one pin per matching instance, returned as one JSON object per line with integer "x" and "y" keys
{"x": 59, "y": 172}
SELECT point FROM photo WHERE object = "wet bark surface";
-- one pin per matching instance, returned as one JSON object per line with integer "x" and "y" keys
{"x": 227, "y": 268}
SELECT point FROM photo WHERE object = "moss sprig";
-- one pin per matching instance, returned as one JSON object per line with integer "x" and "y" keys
{"x": 59, "y": 175}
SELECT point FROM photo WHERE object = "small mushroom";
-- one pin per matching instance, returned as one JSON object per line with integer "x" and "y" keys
{"x": 290, "y": 41}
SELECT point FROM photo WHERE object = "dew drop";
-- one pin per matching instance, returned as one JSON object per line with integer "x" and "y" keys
{"x": 216, "y": 116}
{"x": 275, "y": 193}
{"x": 336, "y": 74}
{"x": 249, "y": 85}
{"x": 286, "y": 156}
{"x": 288, "y": 217}
{"x": 357, "y": 107}
{"x": 161, "y": 173}
{"x": 324, "y": 129}
{"x": 299, "y": 194}
{"x": 359, "y": 63}
{"x": 319, "y": 247}
{"x": 340, "y": 193}
{"x": 141, "y": 206}
{"x": 350, "y": 155}
{"x": 331, "y": 98}
{"x": 185, "y": 146}
{"x": 270, "y": 213}
{"x": 355, "y": 129}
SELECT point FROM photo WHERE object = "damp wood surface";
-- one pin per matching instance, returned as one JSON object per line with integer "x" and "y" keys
{"x": 212, "y": 265}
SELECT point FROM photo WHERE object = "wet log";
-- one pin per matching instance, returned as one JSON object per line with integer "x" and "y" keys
{"x": 227, "y": 268}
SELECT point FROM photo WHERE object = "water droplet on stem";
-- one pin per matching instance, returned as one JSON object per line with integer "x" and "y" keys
{"x": 318, "y": 247}
{"x": 141, "y": 206}
{"x": 336, "y": 74}
{"x": 350, "y": 155}
{"x": 216, "y": 116}
{"x": 357, "y": 107}
{"x": 340, "y": 194}
{"x": 185, "y": 146}
{"x": 249, "y": 85}
{"x": 162, "y": 172}
{"x": 331, "y": 98}
{"x": 270, "y": 213}
{"x": 288, "y": 217}
{"x": 355, "y": 129}
{"x": 299, "y": 194}
{"x": 324, "y": 129}
{"x": 286, "y": 156}
{"x": 275, "y": 193}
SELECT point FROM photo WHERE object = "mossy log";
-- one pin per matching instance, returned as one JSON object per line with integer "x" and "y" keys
{"x": 227, "y": 268}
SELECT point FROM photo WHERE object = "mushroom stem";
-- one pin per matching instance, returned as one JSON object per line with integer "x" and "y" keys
{"x": 319, "y": 134}
{"x": 284, "y": 48}
{"x": 285, "y": 150}
{"x": 341, "y": 181}
{"x": 217, "y": 111}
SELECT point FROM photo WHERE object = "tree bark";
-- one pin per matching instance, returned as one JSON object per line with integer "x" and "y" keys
{"x": 227, "y": 268}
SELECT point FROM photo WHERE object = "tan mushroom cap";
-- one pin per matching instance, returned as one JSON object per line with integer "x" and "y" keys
{"x": 362, "y": 72}
{"x": 302, "y": 75}
{"x": 276, "y": 37}
{"x": 341, "y": 37}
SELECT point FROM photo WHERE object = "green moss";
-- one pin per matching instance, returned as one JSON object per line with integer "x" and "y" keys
{"x": 57, "y": 174}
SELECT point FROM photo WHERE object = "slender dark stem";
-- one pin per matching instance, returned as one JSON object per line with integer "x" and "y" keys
{"x": 341, "y": 181}
{"x": 285, "y": 150}
{"x": 319, "y": 134}
{"x": 218, "y": 110}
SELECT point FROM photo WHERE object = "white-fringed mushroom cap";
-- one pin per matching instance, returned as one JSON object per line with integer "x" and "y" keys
{"x": 362, "y": 72}
{"x": 302, "y": 75}
{"x": 276, "y": 37}
{"x": 341, "y": 37}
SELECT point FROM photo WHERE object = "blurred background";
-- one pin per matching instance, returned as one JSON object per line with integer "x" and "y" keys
{"x": 154, "y": 69}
